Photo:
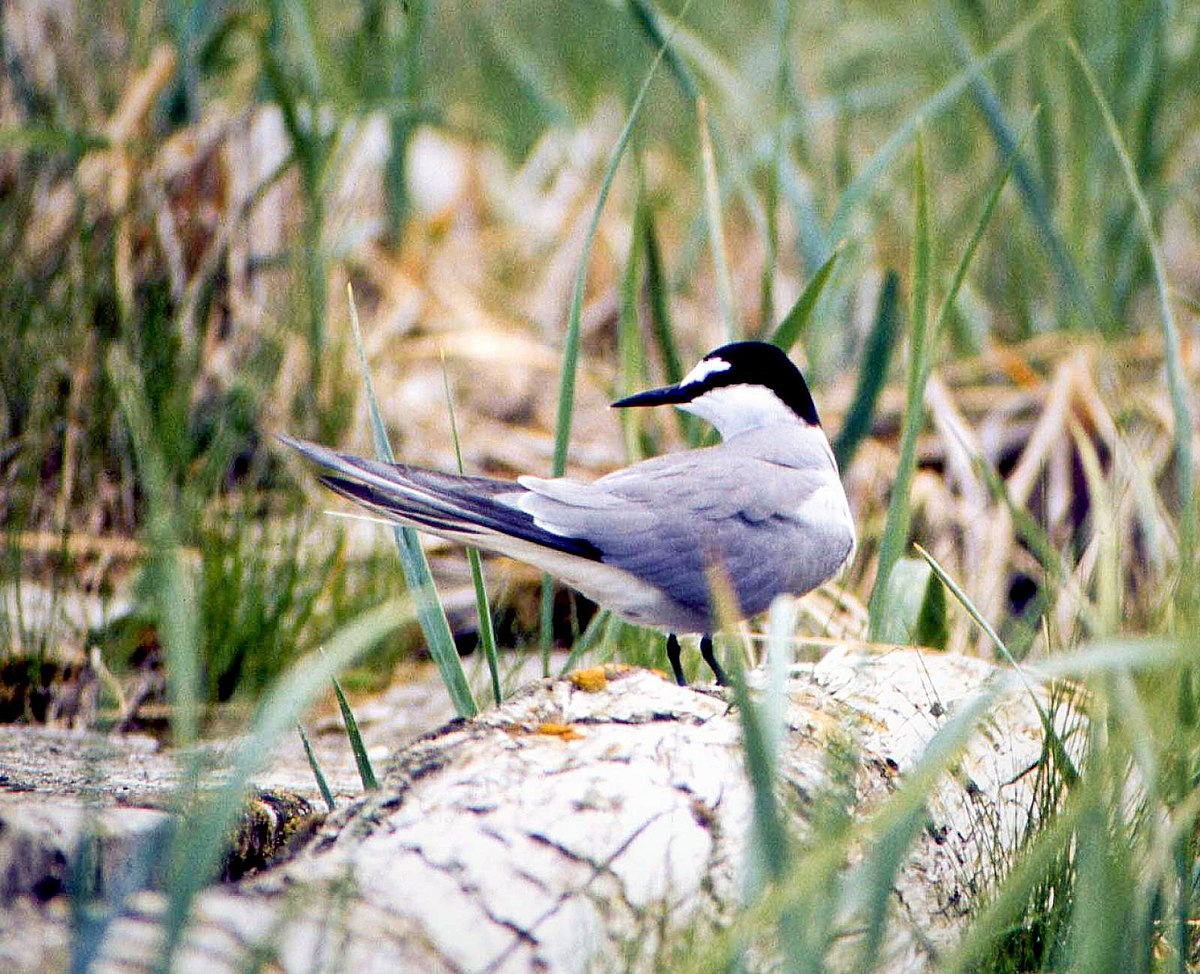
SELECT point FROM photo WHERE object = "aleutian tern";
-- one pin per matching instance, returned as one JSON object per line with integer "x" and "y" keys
{"x": 765, "y": 507}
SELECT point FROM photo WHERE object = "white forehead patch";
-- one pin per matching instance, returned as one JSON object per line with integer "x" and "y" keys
{"x": 706, "y": 368}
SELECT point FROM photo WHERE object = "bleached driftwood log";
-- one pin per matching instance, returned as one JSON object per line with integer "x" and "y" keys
{"x": 586, "y": 828}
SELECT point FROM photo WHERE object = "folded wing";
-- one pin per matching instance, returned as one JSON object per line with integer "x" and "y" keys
{"x": 642, "y": 540}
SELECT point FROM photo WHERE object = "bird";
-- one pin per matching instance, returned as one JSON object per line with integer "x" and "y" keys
{"x": 764, "y": 507}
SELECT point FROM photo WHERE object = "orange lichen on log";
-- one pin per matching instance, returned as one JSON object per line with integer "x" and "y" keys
{"x": 593, "y": 679}
{"x": 564, "y": 731}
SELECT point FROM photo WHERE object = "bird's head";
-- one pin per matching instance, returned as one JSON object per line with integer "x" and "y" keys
{"x": 738, "y": 387}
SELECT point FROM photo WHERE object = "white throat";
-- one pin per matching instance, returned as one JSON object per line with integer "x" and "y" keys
{"x": 738, "y": 409}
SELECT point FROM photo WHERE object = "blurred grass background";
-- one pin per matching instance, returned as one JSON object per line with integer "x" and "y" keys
{"x": 185, "y": 189}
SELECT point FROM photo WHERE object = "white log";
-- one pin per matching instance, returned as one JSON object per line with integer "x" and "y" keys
{"x": 573, "y": 831}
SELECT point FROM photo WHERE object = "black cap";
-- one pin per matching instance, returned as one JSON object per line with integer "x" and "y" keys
{"x": 736, "y": 364}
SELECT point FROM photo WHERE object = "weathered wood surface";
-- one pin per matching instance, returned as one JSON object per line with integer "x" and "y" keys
{"x": 579, "y": 829}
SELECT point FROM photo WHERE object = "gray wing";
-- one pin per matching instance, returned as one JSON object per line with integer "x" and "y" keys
{"x": 665, "y": 520}
{"x": 662, "y": 522}
{"x": 461, "y": 507}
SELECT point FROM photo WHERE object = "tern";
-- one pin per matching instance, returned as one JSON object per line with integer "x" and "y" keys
{"x": 765, "y": 507}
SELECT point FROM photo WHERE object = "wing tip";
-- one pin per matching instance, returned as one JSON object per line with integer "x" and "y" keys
{"x": 310, "y": 451}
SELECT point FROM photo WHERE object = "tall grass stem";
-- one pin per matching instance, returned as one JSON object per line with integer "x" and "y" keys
{"x": 895, "y": 531}
{"x": 432, "y": 616}
{"x": 716, "y": 227}
{"x": 483, "y": 608}
{"x": 1177, "y": 382}
{"x": 570, "y": 360}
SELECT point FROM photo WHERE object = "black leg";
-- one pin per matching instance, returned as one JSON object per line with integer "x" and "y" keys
{"x": 673, "y": 657}
{"x": 706, "y": 650}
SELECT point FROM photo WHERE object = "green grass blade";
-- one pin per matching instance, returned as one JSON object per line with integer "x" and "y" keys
{"x": 318, "y": 774}
{"x": 1032, "y": 192}
{"x": 811, "y": 241}
{"x": 764, "y": 726}
{"x": 361, "y": 758}
{"x": 1141, "y": 654}
{"x": 483, "y": 608}
{"x": 891, "y": 832}
{"x": 766, "y": 281}
{"x": 303, "y": 43}
{"x": 570, "y": 361}
{"x": 695, "y": 56}
{"x": 965, "y": 601}
{"x": 175, "y": 593}
{"x": 521, "y": 62}
{"x": 924, "y": 340}
{"x": 716, "y": 228}
{"x": 771, "y": 192}
{"x": 291, "y": 69}
{"x": 1037, "y": 540}
{"x": 872, "y": 374}
{"x": 50, "y": 139}
{"x": 1177, "y": 382}
{"x": 770, "y": 834}
{"x": 97, "y": 896}
{"x": 796, "y": 321}
{"x": 201, "y": 843}
{"x": 660, "y": 301}
{"x": 933, "y": 629}
{"x": 1052, "y": 738}
{"x": 587, "y": 640}
{"x": 985, "y": 217}
{"x": 546, "y": 622}
{"x": 432, "y": 616}
{"x": 1102, "y": 887}
{"x": 895, "y": 532}
{"x": 770, "y": 849}
{"x": 487, "y": 628}
{"x": 864, "y": 183}
{"x": 888, "y": 854}
{"x": 916, "y": 606}
{"x": 781, "y": 624}
{"x": 406, "y": 83}
{"x": 814, "y": 876}
{"x": 1005, "y": 907}
{"x": 646, "y": 18}
{"x": 659, "y": 293}
{"x": 630, "y": 358}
